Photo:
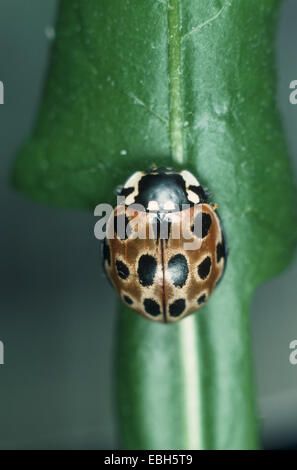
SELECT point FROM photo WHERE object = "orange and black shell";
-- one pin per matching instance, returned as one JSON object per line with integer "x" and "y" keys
{"x": 167, "y": 274}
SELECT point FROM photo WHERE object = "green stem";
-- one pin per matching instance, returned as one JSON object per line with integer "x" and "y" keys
{"x": 188, "y": 340}
{"x": 190, "y": 368}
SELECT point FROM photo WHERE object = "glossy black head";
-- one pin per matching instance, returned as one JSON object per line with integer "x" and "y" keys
{"x": 163, "y": 189}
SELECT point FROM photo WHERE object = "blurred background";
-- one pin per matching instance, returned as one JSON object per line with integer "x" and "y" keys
{"x": 57, "y": 311}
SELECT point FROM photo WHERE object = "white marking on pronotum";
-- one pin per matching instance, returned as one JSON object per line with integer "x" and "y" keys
{"x": 189, "y": 178}
{"x": 207, "y": 22}
{"x": 192, "y": 386}
{"x": 153, "y": 206}
{"x": 1, "y": 93}
{"x": 193, "y": 197}
{"x": 133, "y": 182}
{"x": 134, "y": 179}
{"x": 1, "y": 353}
{"x": 169, "y": 206}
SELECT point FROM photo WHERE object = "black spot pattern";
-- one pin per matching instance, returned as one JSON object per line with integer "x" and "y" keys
{"x": 128, "y": 300}
{"x": 220, "y": 251}
{"x": 121, "y": 226}
{"x": 202, "y": 224}
{"x": 177, "y": 307}
{"x": 147, "y": 267}
{"x": 201, "y": 299}
{"x": 204, "y": 268}
{"x": 178, "y": 270}
{"x": 151, "y": 307}
{"x": 122, "y": 269}
{"x": 106, "y": 252}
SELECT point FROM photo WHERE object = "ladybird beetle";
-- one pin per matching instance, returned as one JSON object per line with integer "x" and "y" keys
{"x": 162, "y": 276}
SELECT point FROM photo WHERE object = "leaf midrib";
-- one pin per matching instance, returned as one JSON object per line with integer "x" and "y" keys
{"x": 175, "y": 83}
{"x": 188, "y": 335}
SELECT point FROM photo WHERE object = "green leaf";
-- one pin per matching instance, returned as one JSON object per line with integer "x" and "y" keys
{"x": 190, "y": 84}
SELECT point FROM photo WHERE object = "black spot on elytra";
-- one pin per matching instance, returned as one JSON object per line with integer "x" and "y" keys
{"x": 106, "y": 252}
{"x": 202, "y": 224}
{"x": 121, "y": 226}
{"x": 201, "y": 299}
{"x": 177, "y": 307}
{"x": 200, "y": 192}
{"x": 178, "y": 270}
{"x": 220, "y": 251}
{"x": 128, "y": 300}
{"x": 147, "y": 267}
{"x": 204, "y": 268}
{"x": 151, "y": 307}
{"x": 122, "y": 269}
